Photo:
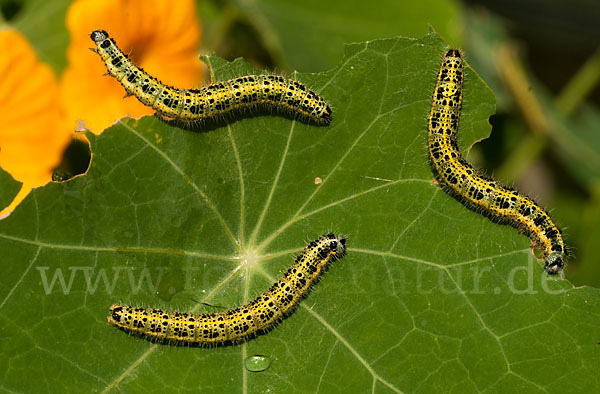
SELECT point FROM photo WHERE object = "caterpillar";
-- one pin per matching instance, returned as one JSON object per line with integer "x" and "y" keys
{"x": 238, "y": 324}
{"x": 211, "y": 102}
{"x": 478, "y": 192}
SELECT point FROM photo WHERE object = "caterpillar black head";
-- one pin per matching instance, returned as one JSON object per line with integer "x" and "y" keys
{"x": 453, "y": 53}
{"x": 555, "y": 263}
{"x": 337, "y": 245}
{"x": 98, "y": 36}
{"x": 116, "y": 314}
{"x": 326, "y": 114}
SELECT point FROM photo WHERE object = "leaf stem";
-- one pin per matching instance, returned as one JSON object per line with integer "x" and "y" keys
{"x": 580, "y": 86}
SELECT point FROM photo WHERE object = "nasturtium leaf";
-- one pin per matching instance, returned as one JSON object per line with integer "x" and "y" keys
{"x": 431, "y": 296}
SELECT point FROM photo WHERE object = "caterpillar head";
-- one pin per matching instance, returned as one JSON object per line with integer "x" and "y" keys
{"x": 555, "y": 263}
{"x": 337, "y": 245}
{"x": 326, "y": 114}
{"x": 116, "y": 314}
{"x": 98, "y": 36}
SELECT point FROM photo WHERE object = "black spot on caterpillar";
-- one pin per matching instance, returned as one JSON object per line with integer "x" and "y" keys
{"x": 211, "y": 102}
{"x": 478, "y": 192}
{"x": 243, "y": 322}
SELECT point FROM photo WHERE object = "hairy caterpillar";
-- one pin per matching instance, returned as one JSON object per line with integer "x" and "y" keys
{"x": 478, "y": 192}
{"x": 212, "y": 101}
{"x": 238, "y": 324}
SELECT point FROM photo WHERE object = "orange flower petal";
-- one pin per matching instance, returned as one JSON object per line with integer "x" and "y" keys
{"x": 161, "y": 38}
{"x": 31, "y": 137}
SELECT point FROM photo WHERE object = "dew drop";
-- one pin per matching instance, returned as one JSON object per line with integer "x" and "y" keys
{"x": 257, "y": 363}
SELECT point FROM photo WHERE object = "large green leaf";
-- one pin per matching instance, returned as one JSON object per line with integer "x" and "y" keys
{"x": 430, "y": 298}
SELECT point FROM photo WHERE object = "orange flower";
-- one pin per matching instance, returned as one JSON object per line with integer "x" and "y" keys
{"x": 39, "y": 115}
{"x": 32, "y": 137}
{"x": 160, "y": 36}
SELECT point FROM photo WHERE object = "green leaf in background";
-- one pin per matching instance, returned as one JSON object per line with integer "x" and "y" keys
{"x": 430, "y": 298}
{"x": 309, "y": 35}
{"x": 43, "y": 23}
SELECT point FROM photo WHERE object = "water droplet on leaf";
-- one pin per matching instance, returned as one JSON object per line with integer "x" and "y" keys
{"x": 257, "y": 363}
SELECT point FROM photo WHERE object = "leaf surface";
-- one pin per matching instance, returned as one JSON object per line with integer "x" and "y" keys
{"x": 431, "y": 297}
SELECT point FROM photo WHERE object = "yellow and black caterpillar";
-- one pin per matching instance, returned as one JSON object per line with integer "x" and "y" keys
{"x": 478, "y": 192}
{"x": 212, "y": 101}
{"x": 238, "y": 324}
